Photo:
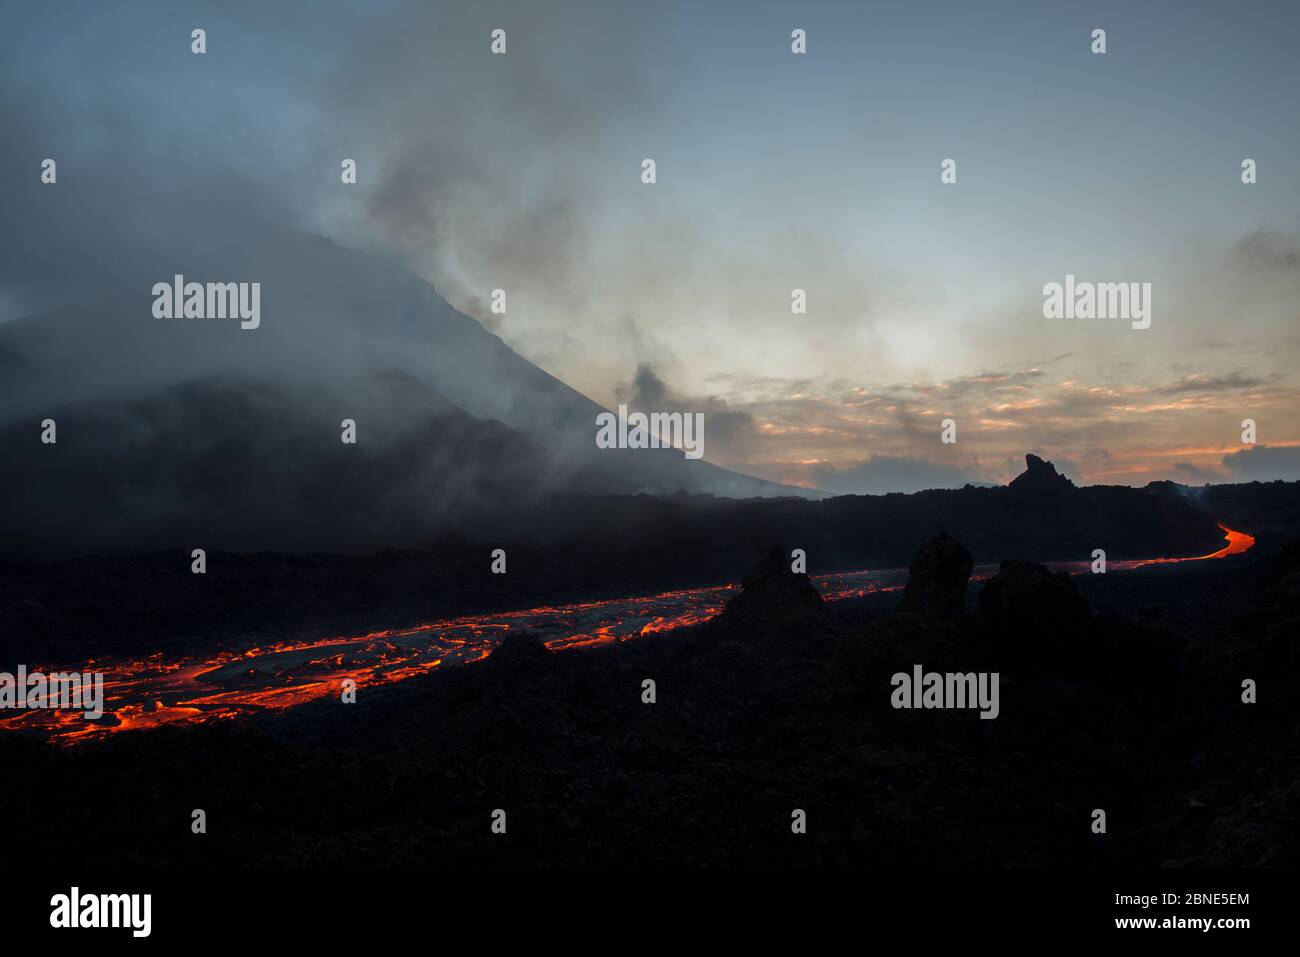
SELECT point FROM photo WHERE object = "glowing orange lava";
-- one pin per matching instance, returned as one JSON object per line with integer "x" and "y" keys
{"x": 150, "y": 692}
{"x": 1238, "y": 542}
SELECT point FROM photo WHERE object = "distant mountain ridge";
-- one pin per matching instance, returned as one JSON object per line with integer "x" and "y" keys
{"x": 1040, "y": 516}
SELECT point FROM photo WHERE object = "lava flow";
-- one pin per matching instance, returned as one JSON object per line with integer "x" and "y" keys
{"x": 1238, "y": 542}
{"x": 150, "y": 692}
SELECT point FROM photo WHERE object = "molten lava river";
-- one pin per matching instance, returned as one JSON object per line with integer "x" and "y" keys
{"x": 155, "y": 691}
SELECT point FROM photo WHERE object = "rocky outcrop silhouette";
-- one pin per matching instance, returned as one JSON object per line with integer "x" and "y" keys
{"x": 1034, "y": 617}
{"x": 929, "y": 627}
{"x": 524, "y": 650}
{"x": 1040, "y": 478}
{"x": 1027, "y": 596}
{"x": 773, "y": 594}
{"x": 938, "y": 575}
{"x": 1036, "y": 620}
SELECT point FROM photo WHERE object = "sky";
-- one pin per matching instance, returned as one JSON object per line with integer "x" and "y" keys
{"x": 775, "y": 171}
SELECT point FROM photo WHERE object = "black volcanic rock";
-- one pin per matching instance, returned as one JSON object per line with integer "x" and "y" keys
{"x": 1040, "y": 477}
{"x": 522, "y": 650}
{"x": 1125, "y": 651}
{"x": 929, "y": 627}
{"x": 1036, "y": 617}
{"x": 1037, "y": 620}
{"x": 1275, "y": 590}
{"x": 936, "y": 586}
{"x": 1030, "y": 594}
{"x": 1288, "y": 585}
{"x": 773, "y": 594}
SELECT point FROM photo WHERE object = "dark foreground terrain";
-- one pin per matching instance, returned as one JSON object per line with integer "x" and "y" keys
{"x": 781, "y": 703}
{"x": 1121, "y": 692}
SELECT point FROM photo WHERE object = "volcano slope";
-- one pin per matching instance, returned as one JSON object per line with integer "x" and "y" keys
{"x": 781, "y": 703}
{"x": 172, "y": 430}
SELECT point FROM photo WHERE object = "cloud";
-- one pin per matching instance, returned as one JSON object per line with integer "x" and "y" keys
{"x": 646, "y": 391}
{"x": 521, "y": 172}
{"x": 1263, "y": 463}
{"x": 1202, "y": 382}
{"x": 729, "y": 434}
{"x": 812, "y": 431}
